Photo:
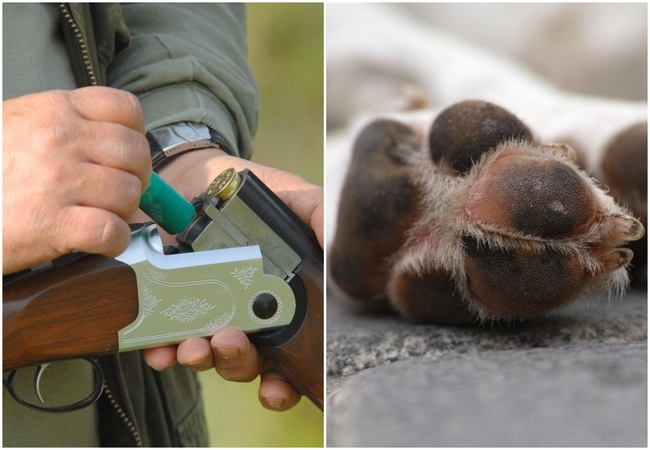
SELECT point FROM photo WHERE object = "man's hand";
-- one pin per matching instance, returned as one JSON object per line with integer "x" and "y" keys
{"x": 75, "y": 164}
{"x": 229, "y": 351}
{"x": 193, "y": 172}
{"x": 235, "y": 358}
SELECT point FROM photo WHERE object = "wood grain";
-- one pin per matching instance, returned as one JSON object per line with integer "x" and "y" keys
{"x": 67, "y": 312}
{"x": 300, "y": 359}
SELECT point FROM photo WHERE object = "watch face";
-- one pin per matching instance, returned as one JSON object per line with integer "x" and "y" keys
{"x": 176, "y": 138}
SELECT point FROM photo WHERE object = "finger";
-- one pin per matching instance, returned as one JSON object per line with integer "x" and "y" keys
{"x": 160, "y": 358}
{"x": 317, "y": 221}
{"x": 307, "y": 203}
{"x": 235, "y": 358}
{"x": 91, "y": 230}
{"x": 103, "y": 104}
{"x": 108, "y": 189}
{"x": 275, "y": 392}
{"x": 119, "y": 147}
{"x": 195, "y": 354}
{"x": 301, "y": 196}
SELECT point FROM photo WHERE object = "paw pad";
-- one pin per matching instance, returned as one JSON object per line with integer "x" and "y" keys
{"x": 519, "y": 281}
{"x": 464, "y": 132}
{"x": 535, "y": 195}
{"x": 378, "y": 205}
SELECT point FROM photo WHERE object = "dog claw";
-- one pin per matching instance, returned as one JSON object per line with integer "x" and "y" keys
{"x": 563, "y": 150}
{"x": 626, "y": 228}
{"x": 615, "y": 259}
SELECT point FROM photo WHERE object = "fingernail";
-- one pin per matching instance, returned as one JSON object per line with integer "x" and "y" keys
{"x": 194, "y": 364}
{"x": 275, "y": 403}
{"x": 228, "y": 352}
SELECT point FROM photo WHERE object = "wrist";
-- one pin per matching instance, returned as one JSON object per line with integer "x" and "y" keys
{"x": 176, "y": 139}
{"x": 192, "y": 173}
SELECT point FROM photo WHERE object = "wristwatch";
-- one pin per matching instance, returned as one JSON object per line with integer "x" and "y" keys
{"x": 174, "y": 139}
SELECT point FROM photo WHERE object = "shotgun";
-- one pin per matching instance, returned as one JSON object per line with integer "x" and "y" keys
{"x": 242, "y": 259}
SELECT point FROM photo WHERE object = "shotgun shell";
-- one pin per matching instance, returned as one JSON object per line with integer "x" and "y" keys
{"x": 165, "y": 206}
{"x": 225, "y": 185}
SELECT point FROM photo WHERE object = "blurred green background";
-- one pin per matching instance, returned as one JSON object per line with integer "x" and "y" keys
{"x": 285, "y": 44}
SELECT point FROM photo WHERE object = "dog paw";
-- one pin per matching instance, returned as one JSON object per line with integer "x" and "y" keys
{"x": 486, "y": 225}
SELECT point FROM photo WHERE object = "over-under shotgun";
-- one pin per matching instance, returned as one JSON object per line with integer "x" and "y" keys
{"x": 243, "y": 259}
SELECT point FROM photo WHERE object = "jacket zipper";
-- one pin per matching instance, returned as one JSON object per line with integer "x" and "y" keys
{"x": 90, "y": 72}
{"x": 120, "y": 412}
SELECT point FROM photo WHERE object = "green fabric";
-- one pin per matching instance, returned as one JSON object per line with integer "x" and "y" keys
{"x": 102, "y": 26}
{"x": 63, "y": 383}
{"x": 165, "y": 407}
{"x": 188, "y": 62}
{"x": 32, "y": 32}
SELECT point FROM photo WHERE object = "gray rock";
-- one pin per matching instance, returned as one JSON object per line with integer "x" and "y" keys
{"x": 357, "y": 341}
{"x": 591, "y": 395}
{"x": 387, "y": 379}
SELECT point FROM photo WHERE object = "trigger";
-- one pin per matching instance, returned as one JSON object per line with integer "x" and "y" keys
{"x": 37, "y": 380}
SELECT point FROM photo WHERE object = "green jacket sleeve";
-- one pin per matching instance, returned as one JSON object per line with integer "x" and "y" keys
{"x": 188, "y": 62}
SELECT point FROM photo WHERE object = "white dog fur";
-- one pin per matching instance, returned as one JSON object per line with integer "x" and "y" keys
{"x": 381, "y": 64}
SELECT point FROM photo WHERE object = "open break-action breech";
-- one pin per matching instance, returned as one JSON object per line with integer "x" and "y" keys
{"x": 243, "y": 259}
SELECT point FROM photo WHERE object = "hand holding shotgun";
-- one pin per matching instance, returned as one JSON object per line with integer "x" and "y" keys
{"x": 90, "y": 267}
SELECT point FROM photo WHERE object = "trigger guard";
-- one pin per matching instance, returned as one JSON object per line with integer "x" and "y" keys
{"x": 92, "y": 398}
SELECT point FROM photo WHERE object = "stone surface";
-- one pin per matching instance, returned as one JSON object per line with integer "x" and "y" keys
{"x": 575, "y": 379}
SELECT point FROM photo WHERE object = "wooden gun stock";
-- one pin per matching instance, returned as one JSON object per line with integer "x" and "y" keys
{"x": 67, "y": 312}
{"x": 300, "y": 359}
{"x": 76, "y": 311}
